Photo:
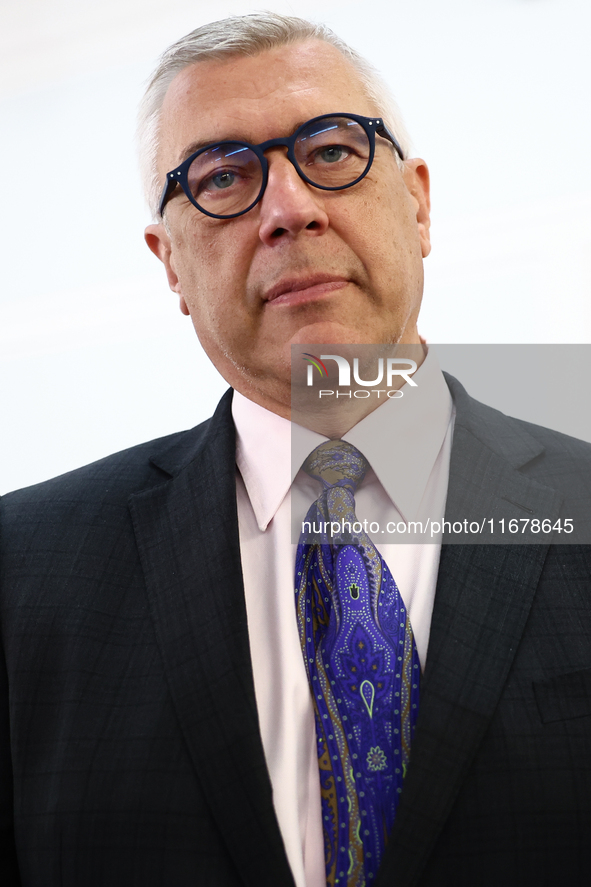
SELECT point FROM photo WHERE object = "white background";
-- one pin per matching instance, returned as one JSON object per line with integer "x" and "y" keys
{"x": 94, "y": 354}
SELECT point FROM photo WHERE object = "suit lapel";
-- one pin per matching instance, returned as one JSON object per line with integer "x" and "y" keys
{"x": 484, "y": 595}
{"x": 187, "y": 535}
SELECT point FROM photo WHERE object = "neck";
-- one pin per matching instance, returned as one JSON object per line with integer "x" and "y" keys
{"x": 329, "y": 407}
{"x": 334, "y": 420}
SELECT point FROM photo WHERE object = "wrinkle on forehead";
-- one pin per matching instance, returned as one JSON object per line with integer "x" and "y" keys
{"x": 281, "y": 65}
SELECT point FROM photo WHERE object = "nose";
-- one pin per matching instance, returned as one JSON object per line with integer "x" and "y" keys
{"x": 289, "y": 206}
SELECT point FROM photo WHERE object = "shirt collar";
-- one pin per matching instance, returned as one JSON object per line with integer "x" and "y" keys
{"x": 401, "y": 441}
{"x": 263, "y": 456}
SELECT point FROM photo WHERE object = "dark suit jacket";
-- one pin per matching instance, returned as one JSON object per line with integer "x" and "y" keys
{"x": 129, "y": 727}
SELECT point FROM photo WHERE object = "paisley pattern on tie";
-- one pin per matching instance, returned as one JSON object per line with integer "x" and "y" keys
{"x": 363, "y": 669}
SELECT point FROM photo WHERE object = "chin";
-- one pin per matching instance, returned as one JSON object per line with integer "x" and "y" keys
{"x": 330, "y": 333}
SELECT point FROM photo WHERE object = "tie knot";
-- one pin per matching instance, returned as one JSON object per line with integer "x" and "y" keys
{"x": 337, "y": 463}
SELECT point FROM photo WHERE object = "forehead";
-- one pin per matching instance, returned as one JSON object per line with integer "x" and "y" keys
{"x": 257, "y": 98}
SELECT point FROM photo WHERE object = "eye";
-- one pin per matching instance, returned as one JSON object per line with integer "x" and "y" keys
{"x": 332, "y": 153}
{"x": 221, "y": 180}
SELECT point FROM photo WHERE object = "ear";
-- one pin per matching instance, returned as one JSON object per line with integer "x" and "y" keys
{"x": 416, "y": 178}
{"x": 158, "y": 239}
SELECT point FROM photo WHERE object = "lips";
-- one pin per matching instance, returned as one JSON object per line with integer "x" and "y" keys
{"x": 293, "y": 291}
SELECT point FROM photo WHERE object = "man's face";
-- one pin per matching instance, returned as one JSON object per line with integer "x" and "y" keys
{"x": 305, "y": 265}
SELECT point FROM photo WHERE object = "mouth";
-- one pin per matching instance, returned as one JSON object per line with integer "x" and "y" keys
{"x": 297, "y": 291}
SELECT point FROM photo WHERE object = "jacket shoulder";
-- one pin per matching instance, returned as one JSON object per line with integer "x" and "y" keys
{"x": 103, "y": 485}
{"x": 549, "y": 456}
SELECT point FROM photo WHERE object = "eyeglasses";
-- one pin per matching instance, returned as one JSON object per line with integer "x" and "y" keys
{"x": 331, "y": 152}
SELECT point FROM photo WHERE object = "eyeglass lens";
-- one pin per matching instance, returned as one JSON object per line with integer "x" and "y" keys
{"x": 227, "y": 178}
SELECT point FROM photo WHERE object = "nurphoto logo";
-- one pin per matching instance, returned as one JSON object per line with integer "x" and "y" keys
{"x": 386, "y": 371}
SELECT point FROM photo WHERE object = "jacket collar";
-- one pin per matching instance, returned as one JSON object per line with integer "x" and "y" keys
{"x": 484, "y": 595}
{"x": 187, "y": 535}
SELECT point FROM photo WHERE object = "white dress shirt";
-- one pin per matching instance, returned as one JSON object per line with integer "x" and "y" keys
{"x": 407, "y": 442}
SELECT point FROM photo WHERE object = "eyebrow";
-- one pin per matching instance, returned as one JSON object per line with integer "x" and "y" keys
{"x": 206, "y": 143}
{"x": 203, "y": 143}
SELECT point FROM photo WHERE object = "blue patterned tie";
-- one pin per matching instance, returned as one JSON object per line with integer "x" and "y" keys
{"x": 363, "y": 669}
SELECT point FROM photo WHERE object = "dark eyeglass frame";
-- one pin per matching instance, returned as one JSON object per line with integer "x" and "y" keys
{"x": 179, "y": 176}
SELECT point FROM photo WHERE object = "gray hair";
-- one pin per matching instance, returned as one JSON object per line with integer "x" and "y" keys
{"x": 246, "y": 35}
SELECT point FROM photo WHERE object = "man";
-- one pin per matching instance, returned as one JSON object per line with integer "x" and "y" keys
{"x": 158, "y": 727}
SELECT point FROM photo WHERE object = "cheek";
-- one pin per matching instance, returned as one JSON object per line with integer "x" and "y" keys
{"x": 378, "y": 223}
{"x": 395, "y": 242}
{"x": 212, "y": 275}
{"x": 209, "y": 275}
{"x": 381, "y": 230}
